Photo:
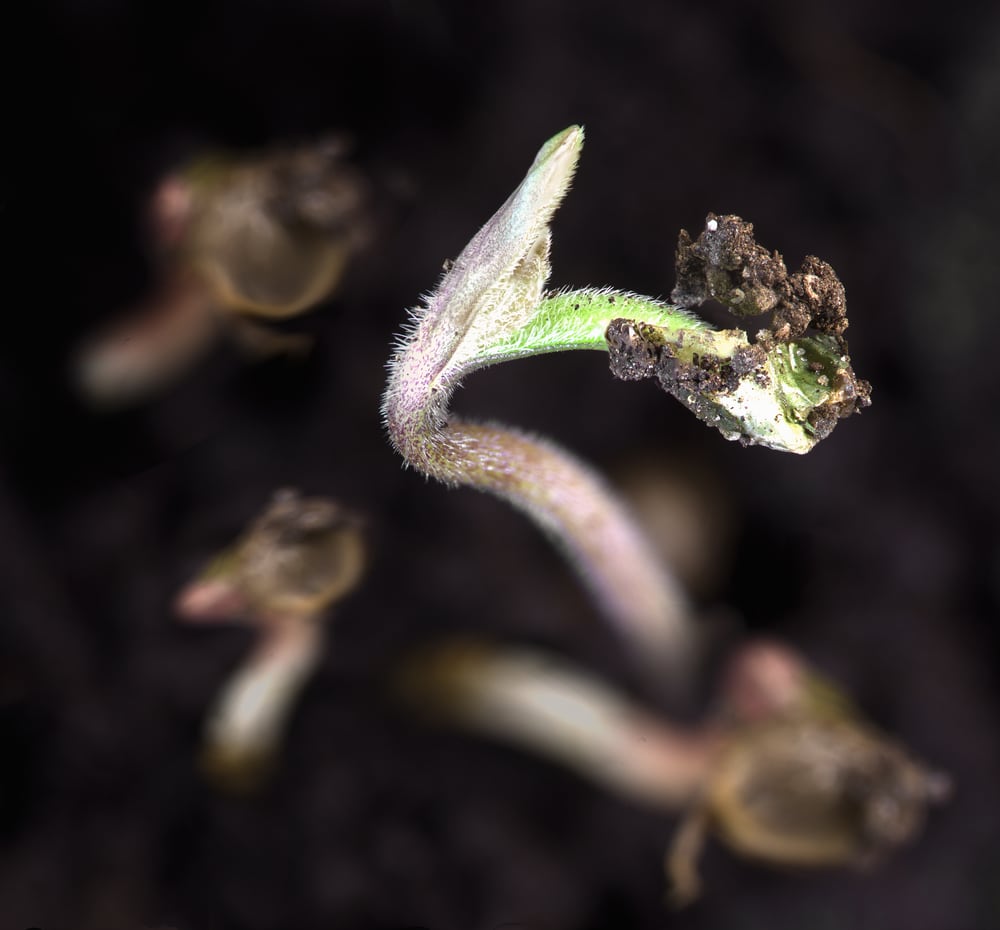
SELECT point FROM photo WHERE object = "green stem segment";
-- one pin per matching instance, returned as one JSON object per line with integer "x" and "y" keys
{"x": 568, "y": 320}
{"x": 772, "y": 393}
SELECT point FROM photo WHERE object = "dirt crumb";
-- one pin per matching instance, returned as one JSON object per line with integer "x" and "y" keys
{"x": 727, "y": 264}
{"x": 800, "y": 357}
{"x": 639, "y": 350}
{"x": 635, "y": 349}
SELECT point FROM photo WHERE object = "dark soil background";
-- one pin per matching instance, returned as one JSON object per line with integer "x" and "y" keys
{"x": 865, "y": 133}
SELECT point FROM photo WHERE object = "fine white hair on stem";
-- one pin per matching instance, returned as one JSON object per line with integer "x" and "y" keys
{"x": 492, "y": 291}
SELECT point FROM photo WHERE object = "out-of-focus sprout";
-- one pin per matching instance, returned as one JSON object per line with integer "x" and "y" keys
{"x": 239, "y": 239}
{"x": 785, "y": 771}
{"x": 808, "y": 790}
{"x": 298, "y": 559}
{"x": 550, "y": 706}
{"x": 784, "y": 390}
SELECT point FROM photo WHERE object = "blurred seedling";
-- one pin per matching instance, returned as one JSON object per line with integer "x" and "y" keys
{"x": 239, "y": 240}
{"x": 298, "y": 559}
{"x": 785, "y": 770}
{"x": 784, "y": 388}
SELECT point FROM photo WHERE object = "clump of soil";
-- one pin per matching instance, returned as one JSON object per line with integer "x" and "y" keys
{"x": 804, "y": 342}
{"x": 727, "y": 264}
{"x": 638, "y": 350}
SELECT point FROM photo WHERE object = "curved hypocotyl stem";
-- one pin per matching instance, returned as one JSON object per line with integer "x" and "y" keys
{"x": 493, "y": 290}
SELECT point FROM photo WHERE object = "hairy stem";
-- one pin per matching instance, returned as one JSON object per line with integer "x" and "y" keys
{"x": 572, "y": 504}
{"x": 492, "y": 292}
{"x": 579, "y": 319}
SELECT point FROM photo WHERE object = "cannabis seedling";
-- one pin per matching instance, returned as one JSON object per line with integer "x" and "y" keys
{"x": 786, "y": 771}
{"x": 301, "y": 556}
{"x": 239, "y": 240}
{"x": 785, "y": 389}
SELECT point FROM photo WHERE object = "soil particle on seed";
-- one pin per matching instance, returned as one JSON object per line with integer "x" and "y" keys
{"x": 635, "y": 349}
{"x": 807, "y": 307}
{"x": 638, "y": 350}
{"x": 727, "y": 264}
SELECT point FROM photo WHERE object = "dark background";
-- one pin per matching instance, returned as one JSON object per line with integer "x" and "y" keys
{"x": 865, "y": 133}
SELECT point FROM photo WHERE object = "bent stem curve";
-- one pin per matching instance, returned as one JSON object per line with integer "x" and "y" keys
{"x": 493, "y": 290}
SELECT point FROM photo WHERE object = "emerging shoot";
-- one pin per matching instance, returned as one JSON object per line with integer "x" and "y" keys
{"x": 490, "y": 295}
{"x": 785, "y": 390}
{"x": 238, "y": 239}
{"x": 785, "y": 772}
{"x": 301, "y": 556}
